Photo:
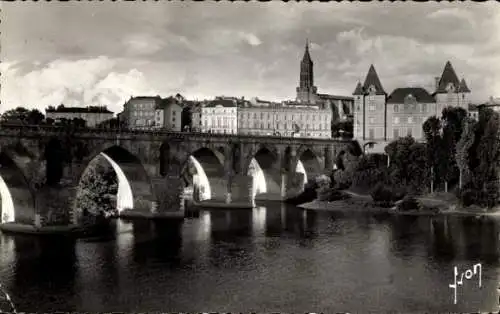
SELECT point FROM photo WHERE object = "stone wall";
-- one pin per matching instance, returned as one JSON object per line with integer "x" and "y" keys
{"x": 169, "y": 192}
{"x": 218, "y": 188}
{"x": 55, "y": 205}
{"x": 241, "y": 188}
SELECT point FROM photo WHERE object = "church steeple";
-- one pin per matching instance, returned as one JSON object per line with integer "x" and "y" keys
{"x": 306, "y": 92}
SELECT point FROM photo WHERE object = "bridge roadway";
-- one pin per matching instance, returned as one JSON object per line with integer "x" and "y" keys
{"x": 42, "y": 166}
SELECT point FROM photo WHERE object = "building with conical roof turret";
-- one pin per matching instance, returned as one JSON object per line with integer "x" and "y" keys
{"x": 382, "y": 117}
{"x": 370, "y": 108}
{"x": 450, "y": 91}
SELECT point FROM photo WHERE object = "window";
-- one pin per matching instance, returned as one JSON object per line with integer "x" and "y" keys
{"x": 423, "y": 108}
{"x": 410, "y": 120}
{"x": 371, "y": 107}
{"x": 371, "y": 134}
{"x": 408, "y": 132}
{"x": 395, "y": 133}
{"x": 396, "y": 108}
{"x": 372, "y": 120}
{"x": 396, "y": 120}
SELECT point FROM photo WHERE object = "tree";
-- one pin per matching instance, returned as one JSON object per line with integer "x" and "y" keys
{"x": 477, "y": 156}
{"x": 453, "y": 122}
{"x": 487, "y": 151}
{"x": 409, "y": 163}
{"x": 98, "y": 187}
{"x": 79, "y": 122}
{"x": 342, "y": 128}
{"x": 463, "y": 147}
{"x": 23, "y": 115}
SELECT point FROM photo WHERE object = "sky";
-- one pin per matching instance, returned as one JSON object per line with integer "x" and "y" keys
{"x": 102, "y": 53}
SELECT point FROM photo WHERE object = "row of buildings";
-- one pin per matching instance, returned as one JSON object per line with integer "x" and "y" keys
{"x": 375, "y": 114}
{"x": 309, "y": 115}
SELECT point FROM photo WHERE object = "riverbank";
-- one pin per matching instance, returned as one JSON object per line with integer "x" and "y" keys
{"x": 21, "y": 228}
{"x": 435, "y": 205}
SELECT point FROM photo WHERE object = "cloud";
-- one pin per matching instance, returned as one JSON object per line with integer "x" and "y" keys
{"x": 142, "y": 44}
{"x": 80, "y": 83}
{"x": 453, "y": 13}
{"x": 250, "y": 49}
{"x": 251, "y": 39}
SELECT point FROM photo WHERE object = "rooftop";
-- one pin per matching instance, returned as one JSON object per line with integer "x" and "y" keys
{"x": 335, "y": 97}
{"x": 399, "y": 95}
{"x": 89, "y": 109}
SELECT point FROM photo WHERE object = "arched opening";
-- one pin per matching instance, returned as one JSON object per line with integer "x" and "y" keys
{"x": 54, "y": 156}
{"x": 205, "y": 176}
{"x": 17, "y": 203}
{"x": 114, "y": 181}
{"x": 309, "y": 165}
{"x": 266, "y": 183}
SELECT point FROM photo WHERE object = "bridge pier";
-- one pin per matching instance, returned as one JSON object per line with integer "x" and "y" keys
{"x": 169, "y": 194}
{"x": 240, "y": 189}
{"x": 55, "y": 205}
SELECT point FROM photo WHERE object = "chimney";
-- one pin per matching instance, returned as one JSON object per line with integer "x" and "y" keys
{"x": 436, "y": 80}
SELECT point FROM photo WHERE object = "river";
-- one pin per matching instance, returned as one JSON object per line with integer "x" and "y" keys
{"x": 275, "y": 258}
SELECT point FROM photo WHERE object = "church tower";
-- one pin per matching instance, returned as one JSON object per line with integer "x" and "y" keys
{"x": 306, "y": 92}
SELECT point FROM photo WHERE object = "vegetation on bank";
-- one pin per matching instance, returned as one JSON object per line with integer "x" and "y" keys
{"x": 459, "y": 157}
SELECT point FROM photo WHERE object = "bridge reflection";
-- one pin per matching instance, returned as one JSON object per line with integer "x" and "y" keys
{"x": 149, "y": 259}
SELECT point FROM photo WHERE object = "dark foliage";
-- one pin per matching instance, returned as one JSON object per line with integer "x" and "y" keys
{"x": 23, "y": 115}
{"x": 308, "y": 195}
{"x": 382, "y": 195}
{"x": 409, "y": 203}
{"x": 342, "y": 129}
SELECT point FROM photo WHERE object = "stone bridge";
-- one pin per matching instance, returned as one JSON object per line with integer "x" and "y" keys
{"x": 42, "y": 166}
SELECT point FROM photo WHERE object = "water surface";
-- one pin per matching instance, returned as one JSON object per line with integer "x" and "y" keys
{"x": 271, "y": 259}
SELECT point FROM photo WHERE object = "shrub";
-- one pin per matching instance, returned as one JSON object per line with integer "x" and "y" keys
{"x": 469, "y": 197}
{"x": 382, "y": 195}
{"x": 409, "y": 203}
{"x": 398, "y": 193}
{"x": 336, "y": 195}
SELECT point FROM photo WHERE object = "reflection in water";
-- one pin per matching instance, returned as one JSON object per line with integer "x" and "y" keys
{"x": 259, "y": 221}
{"x": 274, "y": 258}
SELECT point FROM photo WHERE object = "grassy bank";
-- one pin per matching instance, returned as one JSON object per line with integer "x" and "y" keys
{"x": 430, "y": 205}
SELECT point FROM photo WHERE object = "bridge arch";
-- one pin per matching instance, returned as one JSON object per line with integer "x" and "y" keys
{"x": 265, "y": 168}
{"x": 204, "y": 172}
{"x": 17, "y": 202}
{"x": 134, "y": 189}
{"x": 308, "y": 163}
